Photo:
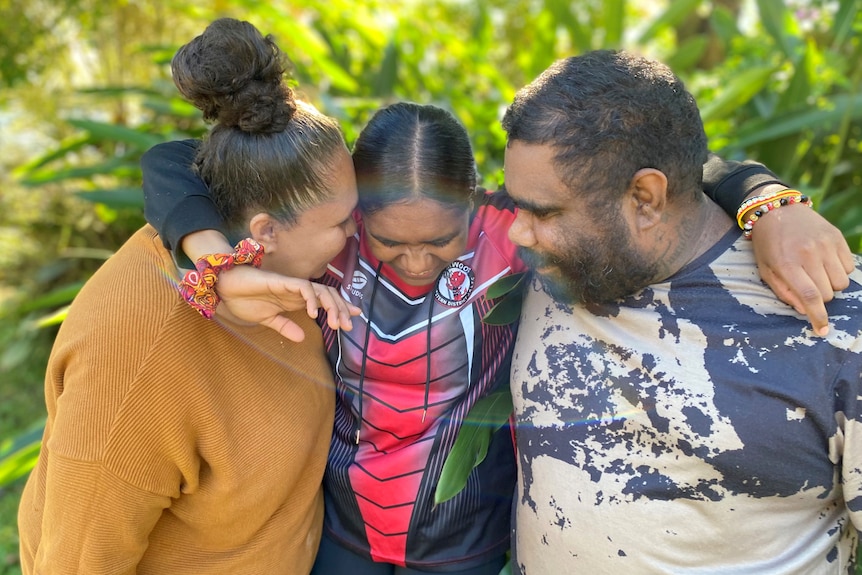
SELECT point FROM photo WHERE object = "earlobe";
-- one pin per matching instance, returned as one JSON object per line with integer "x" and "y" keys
{"x": 263, "y": 228}
{"x": 648, "y": 190}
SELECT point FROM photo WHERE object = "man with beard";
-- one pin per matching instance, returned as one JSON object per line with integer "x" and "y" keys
{"x": 673, "y": 416}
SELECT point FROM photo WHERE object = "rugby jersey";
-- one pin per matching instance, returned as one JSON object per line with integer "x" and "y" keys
{"x": 416, "y": 361}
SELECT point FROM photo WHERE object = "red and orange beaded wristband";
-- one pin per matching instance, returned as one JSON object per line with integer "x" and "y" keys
{"x": 197, "y": 285}
{"x": 755, "y": 208}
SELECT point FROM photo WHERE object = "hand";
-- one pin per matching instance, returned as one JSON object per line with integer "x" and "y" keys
{"x": 257, "y": 296}
{"x": 804, "y": 259}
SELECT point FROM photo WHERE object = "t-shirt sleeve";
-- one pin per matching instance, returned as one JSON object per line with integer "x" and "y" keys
{"x": 728, "y": 182}
{"x": 176, "y": 201}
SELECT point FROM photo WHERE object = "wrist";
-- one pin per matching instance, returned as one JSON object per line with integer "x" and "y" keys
{"x": 200, "y": 243}
{"x": 755, "y": 207}
{"x": 198, "y": 285}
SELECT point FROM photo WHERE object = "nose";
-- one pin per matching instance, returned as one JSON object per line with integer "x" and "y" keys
{"x": 416, "y": 261}
{"x": 521, "y": 230}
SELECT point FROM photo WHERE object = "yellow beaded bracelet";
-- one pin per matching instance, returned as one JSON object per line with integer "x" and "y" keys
{"x": 754, "y": 208}
{"x": 757, "y": 201}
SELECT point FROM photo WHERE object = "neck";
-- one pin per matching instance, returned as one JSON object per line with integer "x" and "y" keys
{"x": 690, "y": 231}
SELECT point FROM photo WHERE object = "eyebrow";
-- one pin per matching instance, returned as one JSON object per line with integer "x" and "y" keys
{"x": 526, "y": 205}
{"x": 440, "y": 239}
{"x": 531, "y": 207}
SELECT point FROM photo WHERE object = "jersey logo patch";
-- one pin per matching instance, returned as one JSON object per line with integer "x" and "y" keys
{"x": 359, "y": 281}
{"x": 455, "y": 285}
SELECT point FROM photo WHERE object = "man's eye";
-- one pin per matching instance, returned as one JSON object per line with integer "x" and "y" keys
{"x": 542, "y": 214}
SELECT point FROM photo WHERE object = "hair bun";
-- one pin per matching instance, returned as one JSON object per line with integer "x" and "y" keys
{"x": 235, "y": 76}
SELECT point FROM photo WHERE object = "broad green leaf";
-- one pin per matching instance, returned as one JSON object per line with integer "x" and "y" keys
{"x": 471, "y": 445}
{"x": 116, "y": 92}
{"x": 55, "y": 318}
{"x": 52, "y": 299}
{"x": 563, "y": 14}
{"x": 688, "y": 54}
{"x": 19, "y": 463}
{"x": 779, "y": 23}
{"x": 10, "y": 445}
{"x": 385, "y": 79}
{"x": 115, "y": 198}
{"x": 676, "y": 12}
{"x": 172, "y": 107}
{"x": 799, "y": 89}
{"x": 335, "y": 74}
{"x": 767, "y": 129}
{"x": 105, "y": 132}
{"x": 844, "y": 209}
{"x": 315, "y": 48}
{"x": 505, "y": 285}
{"x": 844, "y": 19}
{"x": 111, "y": 166}
{"x": 614, "y": 16}
{"x": 18, "y": 454}
{"x": 505, "y": 312}
{"x": 66, "y": 147}
{"x": 724, "y": 24}
{"x": 742, "y": 88}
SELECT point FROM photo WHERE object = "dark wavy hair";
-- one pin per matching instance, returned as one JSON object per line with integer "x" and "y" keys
{"x": 608, "y": 114}
{"x": 409, "y": 151}
{"x": 267, "y": 151}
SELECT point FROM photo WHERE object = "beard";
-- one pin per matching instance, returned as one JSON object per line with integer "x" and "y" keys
{"x": 592, "y": 270}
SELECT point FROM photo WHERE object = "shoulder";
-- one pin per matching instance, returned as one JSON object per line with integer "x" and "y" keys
{"x": 490, "y": 225}
{"x": 122, "y": 314}
{"x": 176, "y": 151}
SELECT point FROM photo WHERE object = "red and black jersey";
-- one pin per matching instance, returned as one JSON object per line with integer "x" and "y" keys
{"x": 413, "y": 366}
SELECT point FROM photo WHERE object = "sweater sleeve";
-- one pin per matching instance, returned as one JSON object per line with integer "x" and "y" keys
{"x": 94, "y": 522}
{"x": 728, "y": 183}
{"x": 176, "y": 201}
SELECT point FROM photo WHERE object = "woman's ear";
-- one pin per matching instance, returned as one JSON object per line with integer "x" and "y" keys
{"x": 648, "y": 193}
{"x": 263, "y": 228}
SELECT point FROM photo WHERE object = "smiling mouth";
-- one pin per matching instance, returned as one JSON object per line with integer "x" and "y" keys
{"x": 417, "y": 276}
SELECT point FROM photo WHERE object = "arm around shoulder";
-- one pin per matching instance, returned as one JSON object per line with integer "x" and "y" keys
{"x": 176, "y": 201}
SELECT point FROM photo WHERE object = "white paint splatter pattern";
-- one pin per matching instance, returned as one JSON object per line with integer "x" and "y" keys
{"x": 697, "y": 427}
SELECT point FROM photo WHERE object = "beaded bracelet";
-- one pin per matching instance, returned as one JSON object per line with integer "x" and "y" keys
{"x": 757, "y": 201}
{"x": 753, "y": 209}
{"x": 197, "y": 285}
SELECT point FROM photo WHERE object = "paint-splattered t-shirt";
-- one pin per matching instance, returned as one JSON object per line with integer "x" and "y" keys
{"x": 696, "y": 427}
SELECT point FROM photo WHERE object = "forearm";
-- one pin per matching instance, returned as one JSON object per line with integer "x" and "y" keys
{"x": 176, "y": 201}
{"x": 203, "y": 242}
{"x": 729, "y": 183}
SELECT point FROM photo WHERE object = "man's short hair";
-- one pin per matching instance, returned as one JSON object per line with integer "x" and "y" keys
{"x": 609, "y": 114}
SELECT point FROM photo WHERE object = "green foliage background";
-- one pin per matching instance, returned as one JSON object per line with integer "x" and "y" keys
{"x": 86, "y": 89}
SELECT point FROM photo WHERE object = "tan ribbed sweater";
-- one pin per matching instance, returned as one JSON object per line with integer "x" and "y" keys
{"x": 175, "y": 445}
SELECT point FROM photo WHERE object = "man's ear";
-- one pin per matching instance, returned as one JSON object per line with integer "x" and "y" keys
{"x": 648, "y": 194}
{"x": 263, "y": 228}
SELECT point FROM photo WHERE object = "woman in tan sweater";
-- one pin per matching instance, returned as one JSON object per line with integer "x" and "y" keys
{"x": 177, "y": 445}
